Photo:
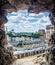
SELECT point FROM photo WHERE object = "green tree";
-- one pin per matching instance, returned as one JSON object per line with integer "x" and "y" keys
{"x": 10, "y": 35}
{"x": 20, "y": 43}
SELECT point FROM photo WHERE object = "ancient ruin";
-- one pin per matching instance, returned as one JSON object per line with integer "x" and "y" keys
{"x": 33, "y": 6}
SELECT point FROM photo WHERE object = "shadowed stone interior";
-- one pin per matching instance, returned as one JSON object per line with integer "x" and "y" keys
{"x": 33, "y": 6}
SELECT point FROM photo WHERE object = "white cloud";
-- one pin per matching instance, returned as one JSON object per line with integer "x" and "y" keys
{"x": 13, "y": 13}
{"x": 26, "y": 22}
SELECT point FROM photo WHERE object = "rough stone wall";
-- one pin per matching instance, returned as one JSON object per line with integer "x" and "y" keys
{"x": 6, "y": 57}
{"x": 34, "y": 6}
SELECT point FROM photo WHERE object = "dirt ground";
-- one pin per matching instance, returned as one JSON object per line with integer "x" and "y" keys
{"x": 31, "y": 60}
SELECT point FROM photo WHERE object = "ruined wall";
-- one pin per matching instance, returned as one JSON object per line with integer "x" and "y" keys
{"x": 33, "y": 6}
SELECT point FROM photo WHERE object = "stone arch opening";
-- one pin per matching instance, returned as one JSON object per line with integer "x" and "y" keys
{"x": 14, "y": 19}
{"x": 13, "y": 5}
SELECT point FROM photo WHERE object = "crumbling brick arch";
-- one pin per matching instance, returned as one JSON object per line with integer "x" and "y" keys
{"x": 34, "y": 6}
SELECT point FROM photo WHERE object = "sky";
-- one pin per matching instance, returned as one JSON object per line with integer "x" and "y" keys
{"x": 22, "y": 21}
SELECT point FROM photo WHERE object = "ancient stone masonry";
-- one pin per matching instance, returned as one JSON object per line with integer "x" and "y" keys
{"x": 6, "y": 57}
{"x": 33, "y": 6}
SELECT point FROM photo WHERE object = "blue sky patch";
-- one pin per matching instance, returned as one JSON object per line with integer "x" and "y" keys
{"x": 22, "y": 21}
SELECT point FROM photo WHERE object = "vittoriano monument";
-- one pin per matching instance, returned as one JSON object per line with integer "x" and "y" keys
{"x": 33, "y": 6}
